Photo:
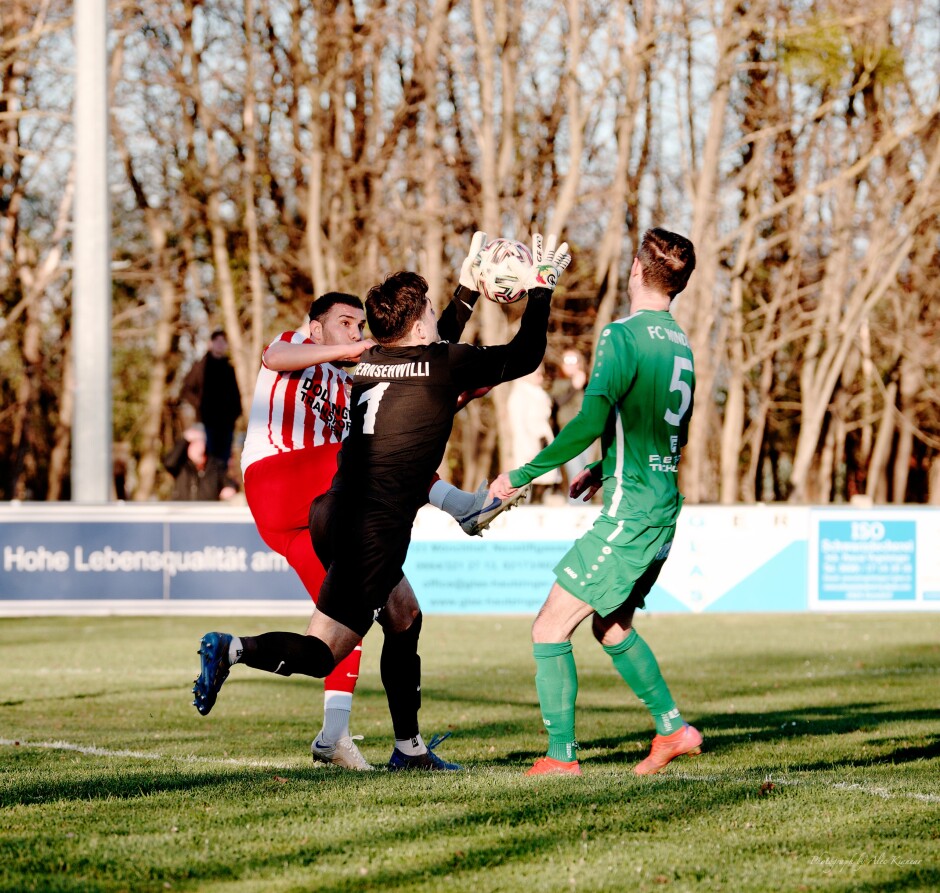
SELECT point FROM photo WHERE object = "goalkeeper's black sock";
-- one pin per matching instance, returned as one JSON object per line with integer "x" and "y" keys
{"x": 287, "y": 653}
{"x": 401, "y": 675}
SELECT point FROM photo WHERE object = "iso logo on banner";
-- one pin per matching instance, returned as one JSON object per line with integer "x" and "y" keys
{"x": 868, "y": 531}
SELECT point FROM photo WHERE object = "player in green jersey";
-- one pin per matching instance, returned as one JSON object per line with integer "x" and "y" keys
{"x": 638, "y": 402}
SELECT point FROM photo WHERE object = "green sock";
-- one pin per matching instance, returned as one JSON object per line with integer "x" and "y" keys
{"x": 556, "y": 681}
{"x": 636, "y": 663}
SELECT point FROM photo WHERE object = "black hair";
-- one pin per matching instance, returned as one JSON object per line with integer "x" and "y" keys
{"x": 322, "y": 305}
{"x": 393, "y": 307}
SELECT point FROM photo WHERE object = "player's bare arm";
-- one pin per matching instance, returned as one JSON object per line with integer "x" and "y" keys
{"x": 282, "y": 356}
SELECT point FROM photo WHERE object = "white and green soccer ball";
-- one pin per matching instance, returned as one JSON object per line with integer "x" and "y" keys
{"x": 500, "y": 270}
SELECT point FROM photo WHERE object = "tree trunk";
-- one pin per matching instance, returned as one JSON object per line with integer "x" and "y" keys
{"x": 933, "y": 481}
{"x": 821, "y": 373}
{"x": 157, "y": 222}
{"x": 59, "y": 470}
{"x": 697, "y": 308}
{"x": 26, "y": 394}
{"x": 621, "y": 200}
{"x": 876, "y": 482}
{"x": 732, "y": 429}
{"x": 751, "y": 488}
{"x": 911, "y": 382}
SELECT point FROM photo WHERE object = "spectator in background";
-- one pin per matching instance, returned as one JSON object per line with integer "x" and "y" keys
{"x": 567, "y": 393}
{"x": 530, "y": 417}
{"x": 122, "y": 464}
{"x": 211, "y": 388}
{"x": 196, "y": 477}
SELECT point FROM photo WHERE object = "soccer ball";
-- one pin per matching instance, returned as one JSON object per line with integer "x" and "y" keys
{"x": 500, "y": 270}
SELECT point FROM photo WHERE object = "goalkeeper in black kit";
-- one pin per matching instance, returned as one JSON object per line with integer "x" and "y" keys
{"x": 403, "y": 402}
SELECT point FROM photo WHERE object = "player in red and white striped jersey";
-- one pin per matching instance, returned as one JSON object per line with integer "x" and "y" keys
{"x": 298, "y": 419}
{"x": 294, "y": 409}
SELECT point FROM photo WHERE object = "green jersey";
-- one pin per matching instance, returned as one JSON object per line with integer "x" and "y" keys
{"x": 643, "y": 367}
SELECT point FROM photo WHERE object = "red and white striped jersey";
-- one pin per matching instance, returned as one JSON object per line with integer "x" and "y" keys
{"x": 296, "y": 410}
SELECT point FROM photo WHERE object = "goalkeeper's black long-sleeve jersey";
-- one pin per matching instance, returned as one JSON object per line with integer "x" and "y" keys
{"x": 404, "y": 399}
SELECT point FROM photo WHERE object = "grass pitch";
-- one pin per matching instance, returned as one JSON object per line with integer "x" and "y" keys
{"x": 821, "y": 768}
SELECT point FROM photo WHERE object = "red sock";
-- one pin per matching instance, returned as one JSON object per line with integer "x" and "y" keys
{"x": 346, "y": 672}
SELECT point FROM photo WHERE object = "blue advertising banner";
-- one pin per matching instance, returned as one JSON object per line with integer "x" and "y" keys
{"x": 884, "y": 559}
{"x": 141, "y": 558}
{"x": 232, "y": 562}
{"x": 488, "y": 576}
{"x": 106, "y": 559}
{"x": 735, "y": 558}
{"x": 867, "y": 560}
{"x": 208, "y": 558}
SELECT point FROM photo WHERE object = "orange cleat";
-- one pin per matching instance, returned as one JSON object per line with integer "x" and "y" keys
{"x": 551, "y": 766}
{"x": 688, "y": 740}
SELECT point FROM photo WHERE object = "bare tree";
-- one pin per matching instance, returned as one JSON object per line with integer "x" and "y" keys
{"x": 33, "y": 245}
{"x": 272, "y": 150}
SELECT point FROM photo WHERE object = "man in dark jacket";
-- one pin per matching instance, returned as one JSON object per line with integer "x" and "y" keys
{"x": 211, "y": 388}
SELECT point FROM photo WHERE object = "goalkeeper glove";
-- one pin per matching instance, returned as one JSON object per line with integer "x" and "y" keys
{"x": 548, "y": 262}
{"x": 467, "y": 271}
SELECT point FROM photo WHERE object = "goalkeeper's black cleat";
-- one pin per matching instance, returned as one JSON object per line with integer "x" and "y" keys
{"x": 213, "y": 653}
{"x": 422, "y": 762}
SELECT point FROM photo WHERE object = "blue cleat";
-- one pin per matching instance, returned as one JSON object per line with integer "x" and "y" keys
{"x": 427, "y": 762}
{"x": 213, "y": 653}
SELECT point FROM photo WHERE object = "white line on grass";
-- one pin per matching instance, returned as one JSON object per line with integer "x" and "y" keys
{"x": 884, "y": 793}
{"x": 871, "y": 790}
{"x": 91, "y": 750}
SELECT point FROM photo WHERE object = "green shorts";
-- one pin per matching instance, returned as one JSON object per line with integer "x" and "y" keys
{"x": 615, "y": 562}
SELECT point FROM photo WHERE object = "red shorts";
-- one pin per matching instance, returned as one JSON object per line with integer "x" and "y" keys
{"x": 279, "y": 490}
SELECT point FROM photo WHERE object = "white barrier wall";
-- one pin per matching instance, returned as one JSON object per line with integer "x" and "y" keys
{"x": 205, "y": 558}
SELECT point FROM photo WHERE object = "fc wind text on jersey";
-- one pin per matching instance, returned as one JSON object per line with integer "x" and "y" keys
{"x": 316, "y": 398}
